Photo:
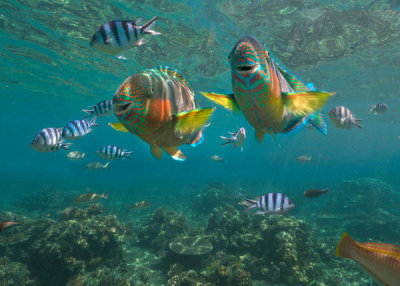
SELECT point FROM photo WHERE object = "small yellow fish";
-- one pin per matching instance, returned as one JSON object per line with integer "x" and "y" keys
{"x": 90, "y": 197}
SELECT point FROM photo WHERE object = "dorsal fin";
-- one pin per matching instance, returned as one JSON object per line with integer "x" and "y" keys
{"x": 176, "y": 74}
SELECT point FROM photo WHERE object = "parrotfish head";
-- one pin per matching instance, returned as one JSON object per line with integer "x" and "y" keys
{"x": 248, "y": 57}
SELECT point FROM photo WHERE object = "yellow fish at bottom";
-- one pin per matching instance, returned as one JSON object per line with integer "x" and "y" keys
{"x": 381, "y": 261}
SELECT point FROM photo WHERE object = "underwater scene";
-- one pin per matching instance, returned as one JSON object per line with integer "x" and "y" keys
{"x": 213, "y": 142}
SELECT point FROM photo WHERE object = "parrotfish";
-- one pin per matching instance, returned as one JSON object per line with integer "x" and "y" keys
{"x": 6, "y": 224}
{"x": 119, "y": 35}
{"x": 380, "y": 260}
{"x": 158, "y": 106}
{"x": 236, "y": 140}
{"x": 271, "y": 99}
{"x": 343, "y": 118}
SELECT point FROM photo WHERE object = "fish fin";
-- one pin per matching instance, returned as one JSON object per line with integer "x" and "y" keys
{"x": 175, "y": 153}
{"x": 88, "y": 112}
{"x": 83, "y": 156}
{"x": 118, "y": 126}
{"x": 357, "y": 123}
{"x": 227, "y": 140}
{"x": 343, "y": 248}
{"x": 127, "y": 154}
{"x": 304, "y": 103}
{"x": 270, "y": 132}
{"x": 156, "y": 151}
{"x": 259, "y": 135}
{"x": 106, "y": 165}
{"x": 241, "y": 149}
{"x": 253, "y": 206}
{"x": 191, "y": 121}
{"x": 317, "y": 119}
{"x": 259, "y": 213}
{"x": 293, "y": 81}
{"x": 198, "y": 140}
{"x": 174, "y": 73}
{"x": 93, "y": 122}
{"x": 146, "y": 28}
{"x": 226, "y": 100}
{"x": 296, "y": 125}
{"x": 65, "y": 145}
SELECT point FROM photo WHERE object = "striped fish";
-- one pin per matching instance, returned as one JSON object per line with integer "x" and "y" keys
{"x": 78, "y": 128}
{"x": 272, "y": 203}
{"x": 379, "y": 108}
{"x": 49, "y": 140}
{"x": 380, "y": 260}
{"x": 110, "y": 152}
{"x": 343, "y": 118}
{"x": 119, "y": 35}
{"x": 103, "y": 108}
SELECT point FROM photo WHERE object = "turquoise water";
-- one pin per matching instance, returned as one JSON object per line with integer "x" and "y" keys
{"x": 49, "y": 73}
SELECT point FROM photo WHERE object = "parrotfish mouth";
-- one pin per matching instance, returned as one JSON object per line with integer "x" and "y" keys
{"x": 121, "y": 108}
{"x": 246, "y": 68}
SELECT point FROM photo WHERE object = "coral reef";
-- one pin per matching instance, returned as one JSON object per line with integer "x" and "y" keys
{"x": 14, "y": 273}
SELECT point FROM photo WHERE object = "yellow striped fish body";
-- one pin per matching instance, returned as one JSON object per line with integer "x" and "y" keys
{"x": 158, "y": 106}
{"x": 381, "y": 261}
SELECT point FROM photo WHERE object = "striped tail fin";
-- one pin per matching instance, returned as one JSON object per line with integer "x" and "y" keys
{"x": 317, "y": 120}
{"x": 146, "y": 28}
{"x": 346, "y": 243}
{"x": 227, "y": 140}
{"x": 253, "y": 206}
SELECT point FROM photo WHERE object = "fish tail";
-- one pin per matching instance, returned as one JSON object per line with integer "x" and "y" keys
{"x": 65, "y": 145}
{"x": 83, "y": 156}
{"x": 317, "y": 120}
{"x": 146, "y": 28}
{"x": 357, "y": 123}
{"x": 198, "y": 140}
{"x": 127, "y": 154}
{"x": 88, "y": 112}
{"x": 104, "y": 196}
{"x": 346, "y": 243}
{"x": 106, "y": 165}
{"x": 93, "y": 122}
{"x": 227, "y": 140}
{"x": 253, "y": 206}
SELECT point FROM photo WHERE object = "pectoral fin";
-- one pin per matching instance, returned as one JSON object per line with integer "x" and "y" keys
{"x": 259, "y": 135}
{"x": 304, "y": 103}
{"x": 118, "y": 126}
{"x": 156, "y": 151}
{"x": 226, "y": 100}
{"x": 175, "y": 153}
{"x": 191, "y": 121}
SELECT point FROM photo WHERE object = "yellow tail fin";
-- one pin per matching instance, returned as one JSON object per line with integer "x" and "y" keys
{"x": 226, "y": 100}
{"x": 304, "y": 103}
{"x": 344, "y": 246}
{"x": 118, "y": 126}
{"x": 191, "y": 121}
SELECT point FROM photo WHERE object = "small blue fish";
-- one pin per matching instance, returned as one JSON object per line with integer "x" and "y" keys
{"x": 49, "y": 140}
{"x": 103, "y": 108}
{"x": 119, "y": 35}
{"x": 78, "y": 128}
{"x": 110, "y": 152}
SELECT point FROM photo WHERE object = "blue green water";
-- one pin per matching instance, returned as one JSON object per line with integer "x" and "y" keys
{"x": 49, "y": 73}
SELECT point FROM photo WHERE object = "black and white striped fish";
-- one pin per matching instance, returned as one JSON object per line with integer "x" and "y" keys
{"x": 119, "y": 35}
{"x": 103, "y": 108}
{"x": 49, "y": 140}
{"x": 110, "y": 152}
{"x": 343, "y": 118}
{"x": 379, "y": 108}
{"x": 78, "y": 128}
{"x": 272, "y": 203}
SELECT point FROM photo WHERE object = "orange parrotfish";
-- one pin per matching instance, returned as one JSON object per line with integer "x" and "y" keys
{"x": 272, "y": 100}
{"x": 158, "y": 106}
{"x": 381, "y": 261}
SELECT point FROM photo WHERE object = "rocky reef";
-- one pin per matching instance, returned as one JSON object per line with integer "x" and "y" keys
{"x": 82, "y": 243}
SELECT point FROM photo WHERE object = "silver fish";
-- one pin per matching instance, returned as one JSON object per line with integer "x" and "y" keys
{"x": 304, "y": 158}
{"x": 103, "y": 108}
{"x": 380, "y": 108}
{"x": 237, "y": 139}
{"x": 49, "y": 140}
{"x": 216, "y": 158}
{"x": 343, "y": 118}
{"x": 97, "y": 165}
{"x": 110, "y": 152}
{"x": 272, "y": 203}
{"x": 76, "y": 155}
{"x": 78, "y": 128}
{"x": 119, "y": 35}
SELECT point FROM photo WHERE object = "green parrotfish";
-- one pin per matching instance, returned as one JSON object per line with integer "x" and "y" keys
{"x": 158, "y": 106}
{"x": 272, "y": 100}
